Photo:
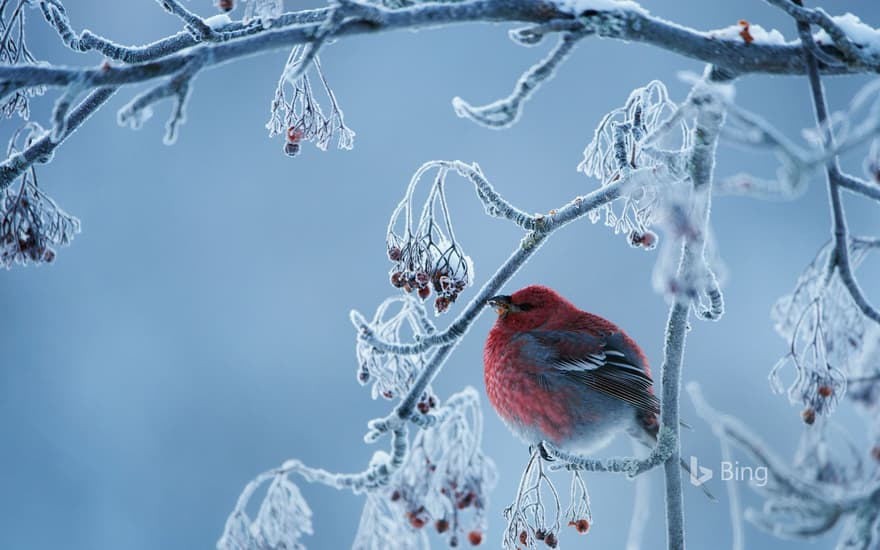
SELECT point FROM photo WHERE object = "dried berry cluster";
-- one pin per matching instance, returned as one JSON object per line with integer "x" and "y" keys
{"x": 825, "y": 331}
{"x": 426, "y": 256}
{"x": 535, "y": 515}
{"x": 620, "y": 145}
{"x": 296, "y": 113}
{"x": 392, "y": 374}
{"x": 31, "y": 223}
{"x": 444, "y": 484}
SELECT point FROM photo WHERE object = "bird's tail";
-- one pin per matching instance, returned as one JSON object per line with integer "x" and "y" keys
{"x": 648, "y": 437}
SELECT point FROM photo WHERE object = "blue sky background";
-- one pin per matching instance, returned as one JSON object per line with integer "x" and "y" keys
{"x": 196, "y": 333}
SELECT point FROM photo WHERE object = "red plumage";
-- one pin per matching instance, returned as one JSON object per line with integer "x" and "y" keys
{"x": 555, "y": 372}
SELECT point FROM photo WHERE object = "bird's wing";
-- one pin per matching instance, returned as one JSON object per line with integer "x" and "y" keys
{"x": 601, "y": 362}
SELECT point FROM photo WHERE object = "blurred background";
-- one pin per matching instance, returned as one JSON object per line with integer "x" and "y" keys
{"x": 196, "y": 333}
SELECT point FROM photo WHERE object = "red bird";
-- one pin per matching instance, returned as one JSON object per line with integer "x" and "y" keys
{"x": 556, "y": 373}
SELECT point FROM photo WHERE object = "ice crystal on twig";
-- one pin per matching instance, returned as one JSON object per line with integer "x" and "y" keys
{"x": 14, "y": 51}
{"x": 445, "y": 477}
{"x": 825, "y": 330}
{"x": 626, "y": 140}
{"x": 296, "y": 112}
{"x": 426, "y": 255}
{"x": 31, "y": 223}
{"x": 284, "y": 517}
{"x": 392, "y": 374}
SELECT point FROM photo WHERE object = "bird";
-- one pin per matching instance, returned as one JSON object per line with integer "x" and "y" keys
{"x": 559, "y": 374}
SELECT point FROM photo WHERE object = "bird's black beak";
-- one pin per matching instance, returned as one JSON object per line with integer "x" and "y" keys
{"x": 501, "y": 303}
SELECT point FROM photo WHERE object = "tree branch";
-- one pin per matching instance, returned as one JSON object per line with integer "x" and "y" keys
{"x": 839, "y": 258}
{"x": 43, "y": 149}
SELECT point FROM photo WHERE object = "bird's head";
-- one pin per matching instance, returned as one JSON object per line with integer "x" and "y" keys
{"x": 528, "y": 308}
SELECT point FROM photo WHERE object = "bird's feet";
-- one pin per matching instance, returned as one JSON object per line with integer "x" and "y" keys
{"x": 542, "y": 448}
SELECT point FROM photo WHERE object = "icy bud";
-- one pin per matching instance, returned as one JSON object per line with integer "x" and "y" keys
{"x": 296, "y": 113}
{"x": 425, "y": 254}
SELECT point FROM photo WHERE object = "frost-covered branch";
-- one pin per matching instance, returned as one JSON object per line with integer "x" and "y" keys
{"x": 42, "y": 149}
{"x": 505, "y": 112}
{"x": 840, "y": 256}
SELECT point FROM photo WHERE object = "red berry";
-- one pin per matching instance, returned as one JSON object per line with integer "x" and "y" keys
{"x": 394, "y": 253}
{"x": 424, "y": 292}
{"x": 540, "y": 534}
{"x": 422, "y": 279}
{"x": 825, "y": 391}
{"x": 225, "y": 5}
{"x": 551, "y": 540}
{"x": 442, "y": 525}
{"x": 291, "y": 149}
{"x": 387, "y": 395}
{"x": 397, "y": 279}
{"x": 294, "y": 134}
{"x": 523, "y": 537}
{"x": 809, "y": 415}
{"x": 423, "y": 407}
{"x": 875, "y": 453}
{"x": 415, "y": 520}
{"x": 475, "y": 537}
{"x": 441, "y": 304}
{"x": 395, "y": 496}
{"x": 466, "y": 501}
{"x": 582, "y": 526}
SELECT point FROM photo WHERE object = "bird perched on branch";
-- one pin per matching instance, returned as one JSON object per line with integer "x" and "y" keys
{"x": 556, "y": 373}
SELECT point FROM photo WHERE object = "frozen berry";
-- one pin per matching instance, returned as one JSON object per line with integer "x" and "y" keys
{"x": 875, "y": 453}
{"x": 540, "y": 534}
{"x": 441, "y": 304}
{"x": 423, "y": 407}
{"x": 551, "y": 540}
{"x": 475, "y": 537}
{"x": 294, "y": 134}
{"x": 582, "y": 526}
{"x": 397, "y": 279}
{"x": 424, "y": 292}
{"x": 466, "y": 500}
{"x": 442, "y": 525}
{"x": 523, "y": 537}
{"x": 809, "y": 415}
{"x": 416, "y": 520}
{"x": 825, "y": 391}
{"x": 395, "y": 496}
{"x": 291, "y": 149}
{"x": 394, "y": 253}
{"x": 225, "y": 5}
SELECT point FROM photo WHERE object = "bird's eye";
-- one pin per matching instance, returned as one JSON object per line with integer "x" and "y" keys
{"x": 524, "y": 307}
